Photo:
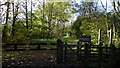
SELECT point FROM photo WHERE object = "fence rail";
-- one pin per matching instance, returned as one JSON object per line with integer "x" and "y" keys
{"x": 87, "y": 53}
{"x": 84, "y": 53}
{"x": 15, "y": 45}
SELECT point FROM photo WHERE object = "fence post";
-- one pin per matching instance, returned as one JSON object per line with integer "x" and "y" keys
{"x": 38, "y": 46}
{"x": 106, "y": 51}
{"x": 15, "y": 46}
{"x": 113, "y": 53}
{"x": 106, "y": 48}
{"x": 65, "y": 52}
{"x": 113, "y": 50}
{"x": 78, "y": 50}
{"x": 89, "y": 51}
{"x": 59, "y": 51}
{"x": 100, "y": 53}
{"x": 86, "y": 53}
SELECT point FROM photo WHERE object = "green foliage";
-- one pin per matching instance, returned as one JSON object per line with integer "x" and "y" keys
{"x": 76, "y": 27}
{"x": 50, "y": 21}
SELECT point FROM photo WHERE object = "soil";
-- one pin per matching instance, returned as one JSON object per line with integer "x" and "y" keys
{"x": 39, "y": 58}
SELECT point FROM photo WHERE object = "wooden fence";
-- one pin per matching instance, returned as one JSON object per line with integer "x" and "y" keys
{"x": 15, "y": 46}
{"x": 87, "y": 53}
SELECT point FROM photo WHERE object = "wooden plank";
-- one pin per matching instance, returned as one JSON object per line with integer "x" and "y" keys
{"x": 41, "y": 43}
{"x": 45, "y": 49}
{"x": 15, "y": 49}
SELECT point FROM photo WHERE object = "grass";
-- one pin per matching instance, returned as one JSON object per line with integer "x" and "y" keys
{"x": 44, "y": 40}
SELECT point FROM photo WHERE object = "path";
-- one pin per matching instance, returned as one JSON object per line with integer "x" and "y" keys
{"x": 39, "y": 58}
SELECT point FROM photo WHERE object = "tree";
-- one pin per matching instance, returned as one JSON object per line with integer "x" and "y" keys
{"x": 6, "y": 21}
{"x": 26, "y": 5}
{"x": 15, "y": 13}
{"x": 49, "y": 15}
{"x": 91, "y": 20}
{"x": 50, "y": 19}
{"x": 31, "y": 14}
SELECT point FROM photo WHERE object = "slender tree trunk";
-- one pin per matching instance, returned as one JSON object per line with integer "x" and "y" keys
{"x": 49, "y": 20}
{"x": 7, "y": 13}
{"x": 14, "y": 18}
{"x": 26, "y": 16}
{"x": 13, "y": 25}
{"x": 114, "y": 26}
{"x": 27, "y": 26}
{"x": 43, "y": 20}
{"x": 107, "y": 25}
{"x": 6, "y": 22}
{"x": 99, "y": 37}
{"x": 111, "y": 37}
{"x": 116, "y": 9}
{"x": 31, "y": 14}
{"x": 43, "y": 16}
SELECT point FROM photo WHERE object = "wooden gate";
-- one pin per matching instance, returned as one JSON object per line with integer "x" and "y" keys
{"x": 86, "y": 54}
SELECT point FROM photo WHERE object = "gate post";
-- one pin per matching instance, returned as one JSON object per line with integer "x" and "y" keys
{"x": 100, "y": 53}
{"x": 113, "y": 53}
{"x": 65, "y": 52}
{"x": 15, "y": 46}
{"x": 78, "y": 50}
{"x": 38, "y": 47}
{"x": 86, "y": 53}
{"x": 59, "y": 51}
{"x": 114, "y": 50}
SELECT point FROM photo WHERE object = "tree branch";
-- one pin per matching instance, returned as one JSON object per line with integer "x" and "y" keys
{"x": 103, "y": 5}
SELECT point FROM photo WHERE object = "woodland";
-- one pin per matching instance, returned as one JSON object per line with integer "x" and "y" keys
{"x": 42, "y": 21}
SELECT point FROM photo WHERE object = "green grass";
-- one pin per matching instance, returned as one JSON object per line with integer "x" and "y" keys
{"x": 44, "y": 40}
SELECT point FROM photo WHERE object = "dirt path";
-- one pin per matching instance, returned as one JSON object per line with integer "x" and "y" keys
{"x": 41, "y": 57}
{"x": 36, "y": 58}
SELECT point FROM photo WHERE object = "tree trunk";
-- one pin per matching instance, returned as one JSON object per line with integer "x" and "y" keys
{"x": 26, "y": 16}
{"x": 5, "y": 26}
{"x": 13, "y": 25}
{"x": 99, "y": 37}
{"x": 43, "y": 20}
{"x": 31, "y": 14}
{"x": 111, "y": 36}
{"x": 49, "y": 21}
{"x": 14, "y": 18}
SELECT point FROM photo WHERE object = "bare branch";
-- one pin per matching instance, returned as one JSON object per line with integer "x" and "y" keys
{"x": 115, "y": 10}
{"x": 103, "y": 5}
